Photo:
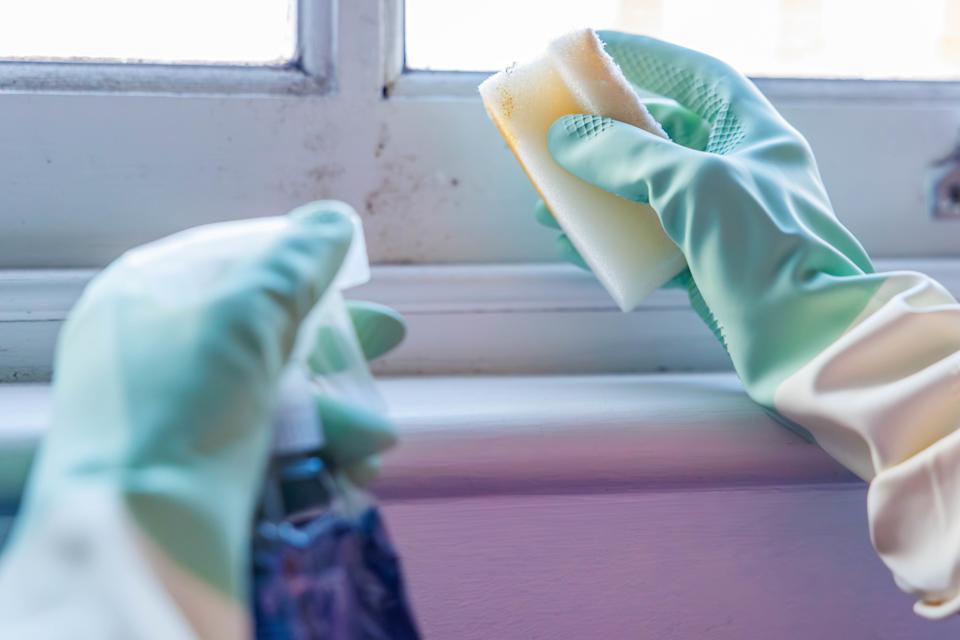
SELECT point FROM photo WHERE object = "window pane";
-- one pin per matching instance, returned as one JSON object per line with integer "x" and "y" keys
{"x": 919, "y": 39}
{"x": 179, "y": 31}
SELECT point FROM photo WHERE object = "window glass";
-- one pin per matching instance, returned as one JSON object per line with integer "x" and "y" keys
{"x": 779, "y": 38}
{"x": 163, "y": 31}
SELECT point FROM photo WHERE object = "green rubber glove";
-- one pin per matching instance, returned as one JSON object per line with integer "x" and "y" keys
{"x": 866, "y": 363}
{"x": 683, "y": 127}
{"x": 164, "y": 384}
{"x": 352, "y": 433}
{"x": 380, "y": 330}
{"x": 769, "y": 263}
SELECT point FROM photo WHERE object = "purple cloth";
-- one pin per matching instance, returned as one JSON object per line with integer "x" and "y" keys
{"x": 334, "y": 577}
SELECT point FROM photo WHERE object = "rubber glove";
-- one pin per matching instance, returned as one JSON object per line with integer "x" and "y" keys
{"x": 353, "y": 434}
{"x": 138, "y": 512}
{"x": 865, "y": 362}
{"x": 350, "y": 431}
{"x": 683, "y": 127}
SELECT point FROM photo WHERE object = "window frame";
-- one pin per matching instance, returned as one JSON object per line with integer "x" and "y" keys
{"x": 405, "y": 82}
{"x": 93, "y": 168}
{"x": 425, "y": 84}
{"x": 310, "y": 71}
{"x": 816, "y": 100}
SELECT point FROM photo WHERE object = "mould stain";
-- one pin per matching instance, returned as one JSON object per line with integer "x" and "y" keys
{"x": 323, "y": 174}
{"x": 396, "y": 205}
{"x": 399, "y": 184}
{"x": 314, "y": 142}
{"x": 382, "y": 141}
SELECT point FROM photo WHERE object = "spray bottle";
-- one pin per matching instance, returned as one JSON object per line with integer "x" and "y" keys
{"x": 323, "y": 565}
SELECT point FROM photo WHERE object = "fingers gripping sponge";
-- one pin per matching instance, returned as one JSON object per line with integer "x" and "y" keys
{"x": 588, "y": 126}
{"x": 621, "y": 241}
{"x": 687, "y": 88}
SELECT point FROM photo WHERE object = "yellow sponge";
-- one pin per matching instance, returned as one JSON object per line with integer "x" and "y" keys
{"x": 622, "y": 241}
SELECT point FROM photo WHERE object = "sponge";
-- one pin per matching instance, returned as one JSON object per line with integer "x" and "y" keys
{"x": 621, "y": 241}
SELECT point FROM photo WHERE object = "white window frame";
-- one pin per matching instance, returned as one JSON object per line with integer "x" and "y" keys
{"x": 883, "y": 107}
{"x": 310, "y": 71}
{"x": 104, "y": 158}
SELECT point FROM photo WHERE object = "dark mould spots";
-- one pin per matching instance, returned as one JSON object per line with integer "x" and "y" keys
{"x": 324, "y": 173}
{"x": 399, "y": 187}
{"x": 454, "y": 182}
{"x": 314, "y": 142}
{"x": 382, "y": 141}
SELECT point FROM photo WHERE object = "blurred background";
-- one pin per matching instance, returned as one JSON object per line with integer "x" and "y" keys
{"x": 783, "y": 38}
{"x": 786, "y": 38}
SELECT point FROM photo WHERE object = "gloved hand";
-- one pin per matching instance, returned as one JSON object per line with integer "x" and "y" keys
{"x": 683, "y": 127}
{"x": 164, "y": 383}
{"x": 351, "y": 432}
{"x": 353, "y": 435}
{"x": 866, "y": 362}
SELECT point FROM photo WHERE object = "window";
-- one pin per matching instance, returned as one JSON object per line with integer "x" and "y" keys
{"x": 377, "y": 105}
{"x": 171, "y": 47}
{"x": 168, "y": 31}
{"x": 872, "y": 85}
{"x": 769, "y": 38}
